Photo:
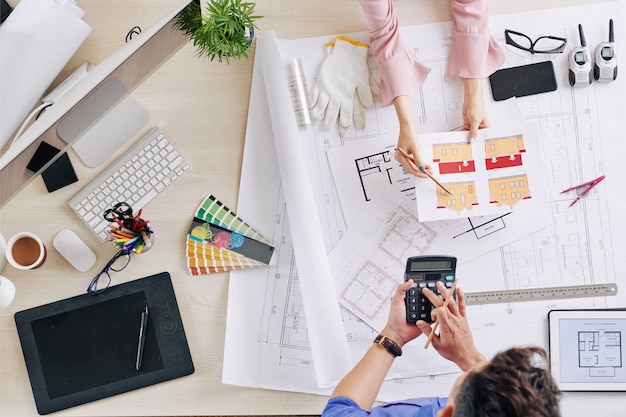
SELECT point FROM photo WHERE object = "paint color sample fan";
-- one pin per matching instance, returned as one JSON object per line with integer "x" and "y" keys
{"x": 219, "y": 241}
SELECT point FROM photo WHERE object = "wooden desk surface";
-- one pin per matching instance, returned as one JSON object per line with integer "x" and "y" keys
{"x": 202, "y": 106}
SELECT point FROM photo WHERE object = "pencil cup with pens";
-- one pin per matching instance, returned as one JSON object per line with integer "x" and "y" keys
{"x": 128, "y": 231}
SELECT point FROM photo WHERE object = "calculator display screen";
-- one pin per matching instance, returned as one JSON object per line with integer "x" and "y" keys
{"x": 430, "y": 265}
{"x": 418, "y": 277}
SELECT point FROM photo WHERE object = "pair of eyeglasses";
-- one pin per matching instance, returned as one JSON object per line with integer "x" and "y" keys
{"x": 541, "y": 45}
{"x": 102, "y": 281}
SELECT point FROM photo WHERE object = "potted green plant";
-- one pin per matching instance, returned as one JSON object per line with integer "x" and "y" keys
{"x": 225, "y": 31}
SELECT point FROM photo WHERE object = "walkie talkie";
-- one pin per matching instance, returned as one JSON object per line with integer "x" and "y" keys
{"x": 605, "y": 67}
{"x": 579, "y": 60}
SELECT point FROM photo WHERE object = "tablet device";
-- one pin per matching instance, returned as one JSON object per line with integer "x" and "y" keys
{"x": 86, "y": 348}
{"x": 588, "y": 349}
{"x": 523, "y": 80}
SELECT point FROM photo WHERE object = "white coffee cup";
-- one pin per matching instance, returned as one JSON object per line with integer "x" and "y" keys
{"x": 7, "y": 292}
{"x": 25, "y": 250}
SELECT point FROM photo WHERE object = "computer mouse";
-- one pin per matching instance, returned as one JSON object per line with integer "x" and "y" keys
{"x": 74, "y": 250}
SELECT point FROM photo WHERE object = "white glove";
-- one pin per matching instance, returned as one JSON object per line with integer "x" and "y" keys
{"x": 343, "y": 87}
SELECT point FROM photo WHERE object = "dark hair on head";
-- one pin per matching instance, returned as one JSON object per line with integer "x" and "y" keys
{"x": 515, "y": 383}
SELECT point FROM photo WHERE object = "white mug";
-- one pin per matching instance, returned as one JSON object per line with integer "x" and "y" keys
{"x": 25, "y": 250}
{"x": 7, "y": 292}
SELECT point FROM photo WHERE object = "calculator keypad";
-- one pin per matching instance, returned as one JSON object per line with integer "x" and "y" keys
{"x": 418, "y": 307}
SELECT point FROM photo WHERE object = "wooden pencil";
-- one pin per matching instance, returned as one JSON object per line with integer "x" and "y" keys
{"x": 445, "y": 305}
{"x": 422, "y": 169}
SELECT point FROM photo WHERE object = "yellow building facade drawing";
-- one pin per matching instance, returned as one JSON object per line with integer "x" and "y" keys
{"x": 509, "y": 190}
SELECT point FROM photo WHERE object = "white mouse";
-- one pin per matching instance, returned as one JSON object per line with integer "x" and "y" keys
{"x": 72, "y": 248}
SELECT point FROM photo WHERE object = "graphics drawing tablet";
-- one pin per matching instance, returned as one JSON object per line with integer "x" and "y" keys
{"x": 588, "y": 349}
{"x": 85, "y": 348}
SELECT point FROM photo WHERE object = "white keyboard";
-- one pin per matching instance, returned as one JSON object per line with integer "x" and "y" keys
{"x": 138, "y": 176}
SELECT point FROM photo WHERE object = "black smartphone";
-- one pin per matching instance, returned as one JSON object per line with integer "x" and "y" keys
{"x": 426, "y": 271}
{"x": 524, "y": 80}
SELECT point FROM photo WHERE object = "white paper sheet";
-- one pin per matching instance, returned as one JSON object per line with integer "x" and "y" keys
{"x": 369, "y": 260}
{"x": 580, "y": 131}
{"x": 500, "y": 172}
{"x": 36, "y": 41}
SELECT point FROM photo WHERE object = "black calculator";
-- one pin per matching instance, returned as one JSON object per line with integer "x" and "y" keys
{"x": 425, "y": 271}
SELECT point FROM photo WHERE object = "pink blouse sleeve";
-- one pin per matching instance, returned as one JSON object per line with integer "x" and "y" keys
{"x": 400, "y": 74}
{"x": 474, "y": 53}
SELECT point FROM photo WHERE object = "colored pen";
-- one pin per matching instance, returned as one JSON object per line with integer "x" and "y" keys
{"x": 142, "y": 337}
{"x": 422, "y": 169}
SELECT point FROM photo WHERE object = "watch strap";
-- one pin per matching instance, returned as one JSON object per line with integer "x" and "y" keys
{"x": 391, "y": 346}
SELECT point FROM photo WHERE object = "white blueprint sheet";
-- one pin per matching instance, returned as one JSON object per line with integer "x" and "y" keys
{"x": 266, "y": 342}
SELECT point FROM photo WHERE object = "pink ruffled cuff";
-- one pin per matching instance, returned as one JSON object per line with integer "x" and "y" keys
{"x": 400, "y": 75}
{"x": 474, "y": 55}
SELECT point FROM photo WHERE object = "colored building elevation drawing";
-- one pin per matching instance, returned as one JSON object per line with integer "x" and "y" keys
{"x": 493, "y": 175}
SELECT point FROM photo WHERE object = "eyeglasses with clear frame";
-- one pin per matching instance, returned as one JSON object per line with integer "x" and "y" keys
{"x": 542, "y": 45}
{"x": 102, "y": 281}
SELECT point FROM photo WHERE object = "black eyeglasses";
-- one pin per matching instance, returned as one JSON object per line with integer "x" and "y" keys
{"x": 541, "y": 45}
{"x": 102, "y": 281}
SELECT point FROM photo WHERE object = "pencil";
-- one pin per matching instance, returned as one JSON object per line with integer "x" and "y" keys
{"x": 445, "y": 305}
{"x": 422, "y": 169}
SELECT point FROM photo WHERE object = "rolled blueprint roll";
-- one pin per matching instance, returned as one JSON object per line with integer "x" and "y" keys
{"x": 321, "y": 307}
{"x": 36, "y": 42}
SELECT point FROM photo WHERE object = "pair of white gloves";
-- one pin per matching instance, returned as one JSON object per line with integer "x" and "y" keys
{"x": 344, "y": 87}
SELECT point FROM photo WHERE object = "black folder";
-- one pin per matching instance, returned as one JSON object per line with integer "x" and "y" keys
{"x": 84, "y": 348}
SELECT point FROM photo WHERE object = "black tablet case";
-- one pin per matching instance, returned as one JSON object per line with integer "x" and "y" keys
{"x": 84, "y": 348}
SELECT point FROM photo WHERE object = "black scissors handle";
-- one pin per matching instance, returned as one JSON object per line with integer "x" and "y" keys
{"x": 121, "y": 211}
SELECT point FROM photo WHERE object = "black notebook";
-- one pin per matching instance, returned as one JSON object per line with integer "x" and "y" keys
{"x": 85, "y": 348}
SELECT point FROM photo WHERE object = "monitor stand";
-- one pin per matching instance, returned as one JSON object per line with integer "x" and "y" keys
{"x": 102, "y": 123}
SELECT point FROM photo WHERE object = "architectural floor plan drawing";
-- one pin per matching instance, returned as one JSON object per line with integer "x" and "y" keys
{"x": 600, "y": 351}
{"x": 579, "y": 137}
{"x": 368, "y": 262}
{"x": 590, "y": 348}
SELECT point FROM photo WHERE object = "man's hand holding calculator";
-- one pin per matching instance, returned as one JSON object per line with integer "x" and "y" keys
{"x": 454, "y": 341}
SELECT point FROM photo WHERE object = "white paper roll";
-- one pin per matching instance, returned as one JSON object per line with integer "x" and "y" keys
{"x": 321, "y": 308}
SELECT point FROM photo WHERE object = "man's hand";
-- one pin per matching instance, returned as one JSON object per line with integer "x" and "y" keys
{"x": 397, "y": 328}
{"x": 454, "y": 341}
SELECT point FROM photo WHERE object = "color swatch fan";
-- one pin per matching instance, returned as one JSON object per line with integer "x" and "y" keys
{"x": 219, "y": 241}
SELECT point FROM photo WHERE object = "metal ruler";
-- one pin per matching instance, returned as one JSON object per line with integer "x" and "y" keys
{"x": 538, "y": 294}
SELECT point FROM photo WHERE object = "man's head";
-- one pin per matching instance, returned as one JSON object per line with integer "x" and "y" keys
{"x": 515, "y": 383}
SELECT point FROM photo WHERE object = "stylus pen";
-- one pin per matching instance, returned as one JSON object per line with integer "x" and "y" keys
{"x": 142, "y": 337}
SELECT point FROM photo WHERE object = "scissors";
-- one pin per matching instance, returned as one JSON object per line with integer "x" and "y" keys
{"x": 583, "y": 189}
{"x": 122, "y": 214}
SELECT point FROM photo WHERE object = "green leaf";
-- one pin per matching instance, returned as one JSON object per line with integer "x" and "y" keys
{"x": 222, "y": 33}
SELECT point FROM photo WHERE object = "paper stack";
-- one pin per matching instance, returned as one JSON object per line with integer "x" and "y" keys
{"x": 218, "y": 241}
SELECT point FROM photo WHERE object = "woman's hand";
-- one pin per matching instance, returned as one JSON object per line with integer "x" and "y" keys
{"x": 408, "y": 140}
{"x": 474, "y": 114}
